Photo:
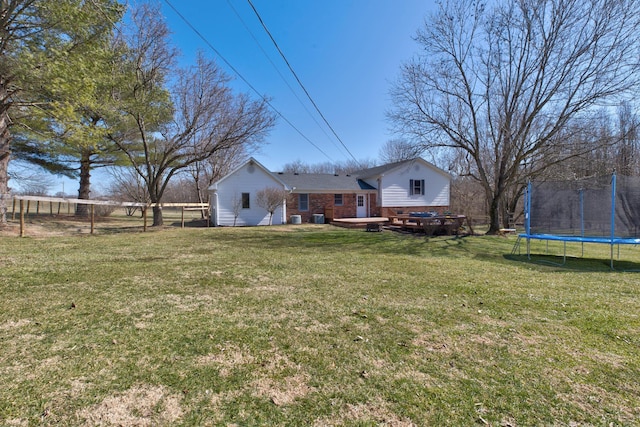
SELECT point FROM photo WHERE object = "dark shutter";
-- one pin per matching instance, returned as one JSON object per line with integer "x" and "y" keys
{"x": 422, "y": 186}
{"x": 411, "y": 187}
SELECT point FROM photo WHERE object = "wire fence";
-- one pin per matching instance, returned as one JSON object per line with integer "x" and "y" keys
{"x": 93, "y": 211}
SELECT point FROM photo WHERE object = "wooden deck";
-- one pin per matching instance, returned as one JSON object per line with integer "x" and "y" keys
{"x": 439, "y": 225}
{"x": 359, "y": 222}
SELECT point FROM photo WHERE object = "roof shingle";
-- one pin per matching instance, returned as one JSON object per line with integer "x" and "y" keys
{"x": 322, "y": 182}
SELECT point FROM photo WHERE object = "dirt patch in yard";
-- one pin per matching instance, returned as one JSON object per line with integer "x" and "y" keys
{"x": 374, "y": 413}
{"x": 138, "y": 406}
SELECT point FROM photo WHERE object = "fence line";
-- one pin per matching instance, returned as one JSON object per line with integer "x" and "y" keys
{"x": 204, "y": 207}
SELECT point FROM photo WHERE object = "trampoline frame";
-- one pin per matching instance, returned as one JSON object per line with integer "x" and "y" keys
{"x": 612, "y": 240}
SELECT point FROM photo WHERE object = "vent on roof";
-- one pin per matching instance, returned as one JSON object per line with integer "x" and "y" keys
{"x": 296, "y": 173}
{"x": 279, "y": 173}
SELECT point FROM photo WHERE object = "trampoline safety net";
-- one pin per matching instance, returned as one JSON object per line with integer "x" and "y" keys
{"x": 595, "y": 207}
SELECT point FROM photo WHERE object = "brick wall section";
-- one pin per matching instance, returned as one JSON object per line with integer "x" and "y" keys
{"x": 374, "y": 209}
{"x": 318, "y": 204}
{"x": 324, "y": 203}
{"x": 294, "y": 209}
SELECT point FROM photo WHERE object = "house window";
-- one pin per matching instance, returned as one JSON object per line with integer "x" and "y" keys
{"x": 303, "y": 202}
{"x": 360, "y": 201}
{"x": 337, "y": 199}
{"x": 245, "y": 201}
{"x": 416, "y": 187}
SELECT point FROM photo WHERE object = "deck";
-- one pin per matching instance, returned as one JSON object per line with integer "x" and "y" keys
{"x": 359, "y": 222}
{"x": 431, "y": 226}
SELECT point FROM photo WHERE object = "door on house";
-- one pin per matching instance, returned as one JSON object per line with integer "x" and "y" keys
{"x": 361, "y": 205}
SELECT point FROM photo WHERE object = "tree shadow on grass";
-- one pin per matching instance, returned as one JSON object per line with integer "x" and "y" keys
{"x": 193, "y": 223}
{"x": 386, "y": 243}
{"x": 557, "y": 263}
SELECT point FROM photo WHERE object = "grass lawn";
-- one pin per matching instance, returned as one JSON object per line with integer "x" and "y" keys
{"x": 312, "y": 325}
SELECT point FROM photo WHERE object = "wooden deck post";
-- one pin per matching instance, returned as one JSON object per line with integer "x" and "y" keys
{"x": 22, "y": 218}
{"x": 144, "y": 215}
{"x": 92, "y": 218}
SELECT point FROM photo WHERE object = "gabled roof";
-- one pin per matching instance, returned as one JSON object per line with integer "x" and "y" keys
{"x": 250, "y": 162}
{"x": 381, "y": 170}
{"x": 323, "y": 183}
{"x": 329, "y": 183}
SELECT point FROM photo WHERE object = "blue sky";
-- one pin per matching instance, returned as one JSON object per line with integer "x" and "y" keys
{"x": 346, "y": 53}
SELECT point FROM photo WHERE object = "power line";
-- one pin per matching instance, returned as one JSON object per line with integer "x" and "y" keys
{"x": 266, "y": 55}
{"x": 298, "y": 79}
{"x": 206, "y": 41}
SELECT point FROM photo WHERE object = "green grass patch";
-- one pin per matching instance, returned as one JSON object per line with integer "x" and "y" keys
{"x": 312, "y": 325}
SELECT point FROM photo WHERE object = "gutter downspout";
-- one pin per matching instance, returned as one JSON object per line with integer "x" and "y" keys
{"x": 283, "y": 220}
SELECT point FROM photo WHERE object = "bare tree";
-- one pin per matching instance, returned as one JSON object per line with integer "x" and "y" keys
{"x": 397, "y": 150}
{"x": 127, "y": 186}
{"x": 30, "y": 180}
{"x": 198, "y": 116}
{"x": 346, "y": 167}
{"x": 206, "y": 172}
{"x": 505, "y": 83}
{"x": 628, "y": 149}
{"x": 236, "y": 205}
{"x": 270, "y": 199}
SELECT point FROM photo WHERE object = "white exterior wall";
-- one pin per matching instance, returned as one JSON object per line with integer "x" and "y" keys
{"x": 250, "y": 178}
{"x": 395, "y": 190}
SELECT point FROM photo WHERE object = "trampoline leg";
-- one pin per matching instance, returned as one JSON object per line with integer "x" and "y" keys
{"x": 611, "y": 260}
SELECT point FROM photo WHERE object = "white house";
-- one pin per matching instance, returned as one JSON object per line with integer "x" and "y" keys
{"x": 409, "y": 186}
{"x": 233, "y": 198}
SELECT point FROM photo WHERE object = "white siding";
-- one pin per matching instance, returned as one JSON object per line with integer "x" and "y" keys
{"x": 248, "y": 179}
{"x": 395, "y": 187}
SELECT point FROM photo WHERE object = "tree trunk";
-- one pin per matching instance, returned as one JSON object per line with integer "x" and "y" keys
{"x": 157, "y": 216}
{"x": 5, "y": 152}
{"x": 196, "y": 179}
{"x": 84, "y": 190}
{"x": 494, "y": 215}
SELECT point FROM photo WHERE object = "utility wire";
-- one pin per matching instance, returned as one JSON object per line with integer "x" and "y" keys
{"x": 255, "y": 39}
{"x": 298, "y": 79}
{"x": 206, "y": 41}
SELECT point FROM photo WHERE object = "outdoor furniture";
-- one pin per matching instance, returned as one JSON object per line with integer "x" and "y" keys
{"x": 436, "y": 225}
{"x": 374, "y": 226}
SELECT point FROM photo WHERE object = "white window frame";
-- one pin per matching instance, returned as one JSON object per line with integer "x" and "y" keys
{"x": 300, "y": 196}
{"x": 416, "y": 187}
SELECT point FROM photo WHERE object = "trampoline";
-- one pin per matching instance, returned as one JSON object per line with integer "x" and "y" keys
{"x": 602, "y": 210}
